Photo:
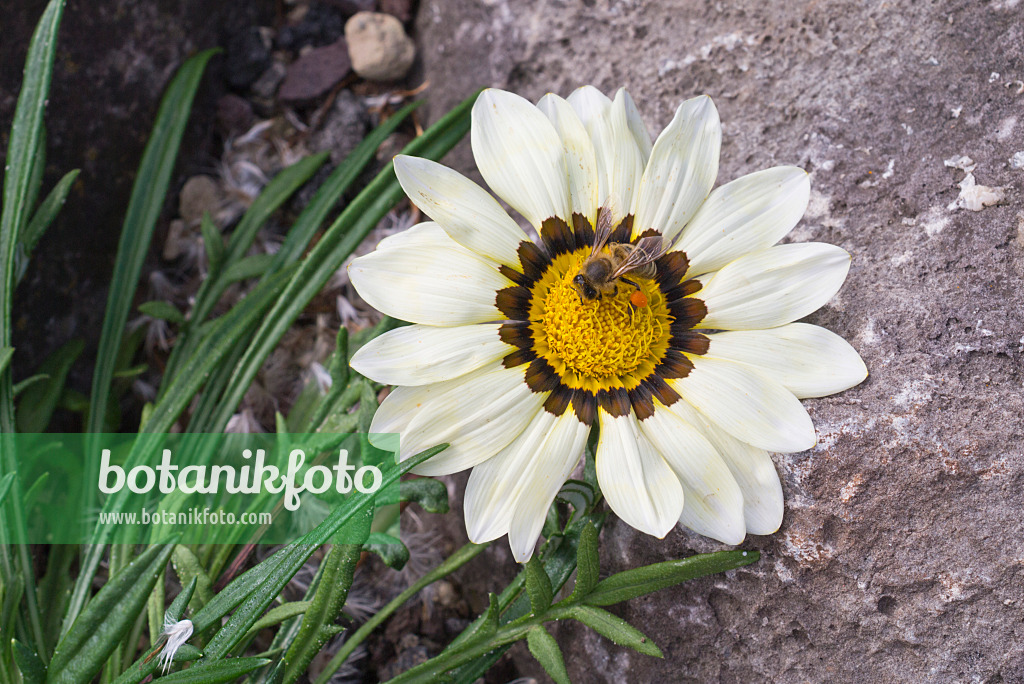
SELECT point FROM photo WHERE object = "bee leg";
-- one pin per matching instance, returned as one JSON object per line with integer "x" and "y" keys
{"x": 629, "y": 282}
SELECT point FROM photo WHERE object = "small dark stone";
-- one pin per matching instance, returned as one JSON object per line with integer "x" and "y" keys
{"x": 234, "y": 113}
{"x": 400, "y": 9}
{"x": 315, "y": 73}
{"x": 248, "y": 56}
{"x": 350, "y": 7}
{"x": 321, "y": 25}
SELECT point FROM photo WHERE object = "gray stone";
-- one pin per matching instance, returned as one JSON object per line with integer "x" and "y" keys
{"x": 901, "y": 556}
{"x": 199, "y": 195}
{"x": 268, "y": 82}
{"x": 379, "y": 46}
{"x": 344, "y": 127}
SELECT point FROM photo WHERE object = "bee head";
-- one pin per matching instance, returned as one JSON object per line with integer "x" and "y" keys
{"x": 584, "y": 287}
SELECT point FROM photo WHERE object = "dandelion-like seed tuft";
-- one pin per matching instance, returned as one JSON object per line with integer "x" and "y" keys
{"x": 174, "y": 634}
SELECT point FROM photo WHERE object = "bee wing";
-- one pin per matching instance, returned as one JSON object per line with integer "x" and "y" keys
{"x": 603, "y": 230}
{"x": 644, "y": 252}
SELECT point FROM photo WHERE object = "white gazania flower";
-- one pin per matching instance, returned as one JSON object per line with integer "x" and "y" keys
{"x": 691, "y": 383}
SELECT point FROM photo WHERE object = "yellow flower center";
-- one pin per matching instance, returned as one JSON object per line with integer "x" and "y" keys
{"x": 600, "y": 343}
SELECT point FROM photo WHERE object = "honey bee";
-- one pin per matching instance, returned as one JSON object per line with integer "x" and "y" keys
{"x": 609, "y": 263}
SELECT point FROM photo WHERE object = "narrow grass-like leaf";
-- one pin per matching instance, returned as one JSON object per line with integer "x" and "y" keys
{"x": 190, "y": 570}
{"x": 650, "y": 578}
{"x": 213, "y": 241}
{"x": 36, "y": 404}
{"x": 5, "y": 486}
{"x": 538, "y": 586}
{"x": 29, "y": 665}
{"x": 106, "y": 619}
{"x": 5, "y": 357}
{"x": 339, "y": 568}
{"x": 614, "y": 628}
{"x": 47, "y": 212}
{"x": 340, "y": 240}
{"x": 286, "y": 563}
{"x": 165, "y": 311}
{"x": 21, "y": 175}
{"x": 277, "y": 615}
{"x": 587, "y": 563}
{"x": 252, "y": 266}
{"x": 144, "y": 207}
{"x": 216, "y": 673}
{"x": 545, "y": 649}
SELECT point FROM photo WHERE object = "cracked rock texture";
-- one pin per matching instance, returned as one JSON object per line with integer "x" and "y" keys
{"x": 901, "y": 557}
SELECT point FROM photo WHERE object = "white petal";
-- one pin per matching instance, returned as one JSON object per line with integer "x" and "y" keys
{"x": 548, "y": 471}
{"x": 520, "y": 155}
{"x": 751, "y": 468}
{"x": 639, "y": 485}
{"x": 477, "y": 414}
{"x": 749, "y": 214}
{"x": 466, "y": 212}
{"x": 710, "y": 492}
{"x": 682, "y": 169}
{"x": 746, "y": 404}
{"x": 808, "y": 360}
{"x": 427, "y": 277}
{"x": 422, "y": 354}
{"x": 495, "y": 485}
{"x": 580, "y": 158}
{"x": 774, "y": 287}
{"x": 619, "y": 159}
{"x": 637, "y": 128}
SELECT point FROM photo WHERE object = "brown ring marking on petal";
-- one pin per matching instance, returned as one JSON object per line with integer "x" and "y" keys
{"x": 583, "y": 231}
{"x": 513, "y": 275}
{"x": 516, "y": 333}
{"x": 689, "y": 341}
{"x": 615, "y": 401}
{"x": 584, "y": 403}
{"x": 674, "y": 365}
{"x": 660, "y": 390}
{"x": 518, "y": 358}
{"x": 533, "y": 260}
{"x": 541, "y": 377}
{"x": 671, "y": 269}
{"x": 558, "y": 238}
{"x": 559, "y": 400}
{"x": 687, "y": 312}
{"x": 514, "y": 302}
{"x": 641, "y": 401}
{"x": 623, "y": 233}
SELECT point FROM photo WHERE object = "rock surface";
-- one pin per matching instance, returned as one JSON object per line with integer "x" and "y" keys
{"x": 316, "y": 72}
{"x": 379, "y": 46}
{"x": 901, "y": 557}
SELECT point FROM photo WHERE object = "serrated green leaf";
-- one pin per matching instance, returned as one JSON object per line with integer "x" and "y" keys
{"x": 106, "y": 619}
{"x": 29, "y": 665}
{"x": 538, "y": 586}
{"x": 640, "y": 581}
{"x": 213, "y": 241}
{"x": 430, "y": 494}
{"x": 587, "y": 563}
{"x": 165, "y": 311}
{"x": 614, "y": 628}
{"x": 390, "y": 549}
{"x": 545, "y": 649}
{"x": 36, "y": 403}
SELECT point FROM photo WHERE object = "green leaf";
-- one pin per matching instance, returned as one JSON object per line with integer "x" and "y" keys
{"x": 5, "y": 357}
{"x": 5, "y": 486}
{"x": 580, "y": 495}
{"x": 144, "y": 207}
{"x": 36, "y": 404}
{"x": 545, "y": 649}
{"x": 640, "y": 581}
{"x": 215, "y": 673}
{"x": 252, "y": 266}
{"x": 213, "y": 241}
{"x": 165, "y": 311}
{"x": 390, "y": 549}
{"x": 277, "y": 615}
{"x": 28, "y": 382}
{"x": 47, "y": 212}
{"x": 614, "y": 628}
{"x": 190, "y": 571}
{"x": 283, "y": 565}
{"x": 430, "y": 494}
{"x": 29, "y": 665}
{"x": 538, "y": 586}
{"x": 107, "y": 618}
{"x": 587, "y": 563}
